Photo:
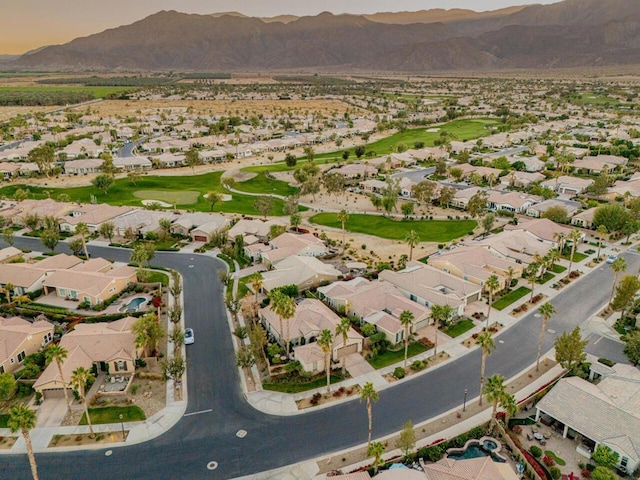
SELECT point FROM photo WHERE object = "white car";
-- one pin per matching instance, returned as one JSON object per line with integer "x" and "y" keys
{"x": 188, "y": 336}
{"x": 612, "y": 258}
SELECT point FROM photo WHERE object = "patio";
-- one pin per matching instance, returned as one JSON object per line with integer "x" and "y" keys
{"x": 53, "y": 300}
{"x": 115, "y": 384}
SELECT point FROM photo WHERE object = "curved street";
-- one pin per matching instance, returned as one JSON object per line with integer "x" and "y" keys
{"x": 272, "y": 441}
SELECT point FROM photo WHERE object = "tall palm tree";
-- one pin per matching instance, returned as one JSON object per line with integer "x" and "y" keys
{"x": 508, "y": 402}
{"x": 412, "y": 239}
{"x": 325, "y": 341}
{"x": 546, "y": 310}
{"x": 343, "y": 329}
{"x": 83, "y": 231}
{"x": 486, "y": 343}
{"x": 406, "y": 320}
{"x": 24, "y": 419}
{"x": 574, "y": 236}
{"x": 369, "y": 395}
{"x": 59, "y": 354}
{"x": 441, "y": 315}
{"x": 376, "y": 450}
{"x": 285, "y": 307}
{"x": 257, "y": 284}
{"x": 492, "y": 284}
{"x": 601, "y": 231}
{"x": 8, "y": 289}
{"x": 510, "y": 274}
{"x": 494, "y": 390}
{"x": 559, "y": 237}
{"x": 618, "y": 265}
{"x": 79, "y": 380}
{"x": 343, "y": 217}
{"x": 531, "y": 274}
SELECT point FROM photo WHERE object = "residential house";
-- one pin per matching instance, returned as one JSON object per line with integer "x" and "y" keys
{"x": 479, "y": 468}
{"x": 517, "y": 245}
{"x": 9, "y": 254}
{"x": 23, "y": 277}
{"x": 168, "y": 160}
{"x": 110, "y": 347}
{"x": 521, "y": 179}
{"x": 476, "y": 265}
{"x": 626, "y": 187}
{"x": 206, "y": 231}
{"x": 542, "y": 228}
{"x": 355, "y": 170}
{"x": 19, "y": 338}
{"x": 256, "y": 228}
{"x": 310, "y": 319}
{"x": 291, "y": 244}
{"x": 600, "y": 163}
{"x": 462, "y": 196}
{"x": 531, "y": 164}
{"x": 539, "y": 209}
{"x": 377, "y": 303}
{"x": 304, "y": 272}
{"x": 515, "y": 202}
{"x": 92, "y": 215}
{"x": 584, "y": 219}
{"x": 83, "y": 147}
{"x": 567, "y": 185}
{"x": 83, "y": 166}
{"x": 42, "y": 208}
{"x": 430, "y": 286}
{"x": 130, "y": 164}
{"x": 605, "y": 413}
{"x": 141, "y": 222}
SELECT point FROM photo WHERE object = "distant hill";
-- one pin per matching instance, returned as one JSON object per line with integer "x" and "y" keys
{"x": 575, "y": 33}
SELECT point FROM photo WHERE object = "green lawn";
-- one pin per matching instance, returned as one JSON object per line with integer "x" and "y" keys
{"x": 558, "y": 268}
{"x": 103, "y": 415}
{"x": 98, "y": 92}
{"x": 577, "y": 256}
{"x": 158, "y": 277}
{"x": 123, "y": 192}
{"x": 390, "y": 357}
{"x": 511, "y": 297}
{"x": 545, "y": 278}
{"x": 4, "y": 418}
{"x": 290, "y": 387}
{"x": 261, "y": 184}
{"x": 459, "y": 328}
{"x": 557, "y": 459}
{"x": 428, "y": 230}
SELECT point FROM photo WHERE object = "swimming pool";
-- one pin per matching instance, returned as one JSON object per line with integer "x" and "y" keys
{"x": 134, "y": 304}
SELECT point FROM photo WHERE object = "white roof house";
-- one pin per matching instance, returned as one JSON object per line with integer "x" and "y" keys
{"x": 305, "y": 272}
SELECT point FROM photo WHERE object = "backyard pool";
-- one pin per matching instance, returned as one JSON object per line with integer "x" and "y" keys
{"x": 478, "y": 448}
{"x": 134, "y": 304}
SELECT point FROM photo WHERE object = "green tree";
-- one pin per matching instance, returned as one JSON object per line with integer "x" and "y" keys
{"x": 58, "y": 354}
{"x": 264, "y": 205}
{"x": 103, "y": 182}
{"x": 370, "y": 396}
{"x": 290, "y": 160}
{"x": 612, "y": 216}
{"x": 148, "y": 332}
{"x": 625, "y": 293}
{"x": 546, "y": 311}
{"x": 605, "y": 457}
{"x": 343, "y": 329}
{"x": 334, "y": 183}
{"x": 376, "y": 450}
{"x": 424, "y": 191}
{"x": 245, "y": 358}
{"x": 486, "y": 343}
{"x": 446, "y": 196}
{"x": 141, "y": 256}
{"x": 83, "y": 230}
{"x": 213, "y": 198}
{"x": 43, "y": 156}
{"x": 8, "y": 386}
{"x": 75, "y": 245}
{"x": 9, "y": 236}
{"x": 23, "y": 419}
{"x": 603, "y": 473}
{"x": 406, "y": 441}
{"x": 359, "y": 150}
{"x": 632, "y": 347}
{"x": 412, "y": 239}
{"x": 192, "y": 158}
{"x": 574, "y": 236}
{"x": 618, "y": 265}
{"x": 441, "y": 315}
{"x": 325, "y": 341}
{"x": 494, "y": 390}
{"x": 285, "y": 307}
{"x": 602, "y": 232}
{"x": 31, "y": 220}
{"x": 107, "y": 230}
{"x": 569, "y": 349}
{"x": 407, "y": 209}
{"x": 295, "y": 220}
{"x": 343, "y": 218}
{"x": 406, "y": 320}
{"x": 557, "y": 214}
{"x": 492, "y": 285}
{"x": 50, "y": 238}
{"x": 173, "y": 369}
{"x": 477, "y": 204}
{"x": 79, "y": 379}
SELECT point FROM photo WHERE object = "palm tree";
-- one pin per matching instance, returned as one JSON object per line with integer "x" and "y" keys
{"x": 440, "y": 314}
{"x": 508, "y": 402}
{"x": 59, "y": 354}
{"x": 343, "y": 217}
{"x": 343, "y": 329}
{"x": 8, "y": 289}
{"x": 406, "y": 319}
{"x": 495, "y": 389}
{"x": 24, "y": 419}
{"x": 601, "y": 231}
{"x": 83, "y": 231}
{"x": 618, "y": 265}
{"x": 257, "y": 284}
{"x": 369, "y": 395}
{"x": 492, "y": 284}
{"x": 412, "y": 239}
{"x": 285, "y": 307}
{"x": 325, "y": 341}
{"x": 376, "y": 450}
{"x": 79, "y": 380}
{"x": 546, "y": 310}
{"x": 510, "y": 274}
{"x": 574, "y": 236}
{"x": 485, "y": 341}
{"x": 531, "y": 274}
{"x": 559, "y": 237}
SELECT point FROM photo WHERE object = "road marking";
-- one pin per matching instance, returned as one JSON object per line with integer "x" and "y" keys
{"x": 241, "y": 433}
{"x": 212, "y": 465}
{"x": 596, "y": 342}
{"x": 198, "y": 413}
{"x": 500, "y": 341}
{"x": 191, "y": 266}
{"x": 551, "y": 331}
{"x": 108, "y": 453}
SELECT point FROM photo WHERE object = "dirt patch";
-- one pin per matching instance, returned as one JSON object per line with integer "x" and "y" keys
{"x": 86, "y": 439}
{"x": 342, "y": 461}
{"x": 342, "y": 392}
{"x": 6, "y": 443}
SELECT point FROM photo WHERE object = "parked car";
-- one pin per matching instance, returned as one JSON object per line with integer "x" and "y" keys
{"x": 612, "y": 258}
{"x": 188, "y": 336}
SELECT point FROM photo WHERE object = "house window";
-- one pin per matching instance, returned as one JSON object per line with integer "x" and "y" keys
{"x": 62, "y": 292}
{"x": 623, "y": 463}
{"x": 21, "y": 356}
{"x": 87, "y": 300}
{"x": 1, "y": 369}
{"x": 121, "y": 365}
{"x": 413, "y": 298}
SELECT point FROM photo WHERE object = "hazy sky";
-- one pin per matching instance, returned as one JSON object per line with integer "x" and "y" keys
{"x": 28, "y": 24}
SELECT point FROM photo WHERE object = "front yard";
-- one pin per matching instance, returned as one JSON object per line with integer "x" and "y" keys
{"x": 389, "y": 357}
{"x": 510, "y": 298}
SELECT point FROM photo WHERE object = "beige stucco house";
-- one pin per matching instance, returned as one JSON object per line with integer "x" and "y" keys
{"x": 19, "y": 338}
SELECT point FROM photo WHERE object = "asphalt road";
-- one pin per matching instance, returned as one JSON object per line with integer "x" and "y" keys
{"x": 213, "y": 383}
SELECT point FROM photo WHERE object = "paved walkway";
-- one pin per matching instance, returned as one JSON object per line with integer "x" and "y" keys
{"x": 358, "y": 367}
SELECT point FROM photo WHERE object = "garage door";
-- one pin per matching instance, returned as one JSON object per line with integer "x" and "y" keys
{"x": 54, "y": 393}
{"x": 199, "y": 238}
{"x": 344, "y": 351}
{"x": 421, "y": 324}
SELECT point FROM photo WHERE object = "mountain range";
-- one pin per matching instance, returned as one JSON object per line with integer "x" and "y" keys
{"x": 571, "y": 33}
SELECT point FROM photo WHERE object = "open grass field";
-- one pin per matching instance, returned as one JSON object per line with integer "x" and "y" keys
{"x": 123, "y": 192}
{"x": 428, "y": 230}
{"x": 103, "y": 415}
{"x": 98, "y": 92}
{"x": 186, "y": 197}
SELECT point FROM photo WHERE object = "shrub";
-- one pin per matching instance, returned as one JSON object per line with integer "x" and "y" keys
{"x": 585, "y": 473}
{"x": 399, "y": 372}
{"x": 555, "y": 473}
{"x": 548, "y": 461}
{"x": 134, "y": 388}
{"x": 316, "y": 399}
{"x": 517, "y": 429}
{"x": 536, "y": 451}
{"x": 418, "y": 365}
